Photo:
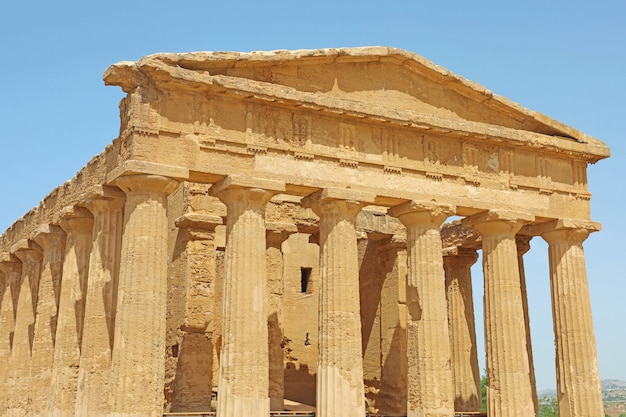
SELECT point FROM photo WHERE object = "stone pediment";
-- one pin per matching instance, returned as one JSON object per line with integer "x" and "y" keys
{"x": 371, "y": 81}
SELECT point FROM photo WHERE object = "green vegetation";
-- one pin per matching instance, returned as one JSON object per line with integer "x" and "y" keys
{"x": 548, "y": 407}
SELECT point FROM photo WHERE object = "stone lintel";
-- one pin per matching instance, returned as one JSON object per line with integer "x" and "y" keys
{"x": 241, "y": 181}
{"x": 459, "y": 251}
{"x": 198, "y": 221}
{"x": 143, "y": 167}
{"x": 494, "y": 215}
{"x": 558, "y": 224}
{"x": 338, "y": 194}
{"x": 454, "y": 234}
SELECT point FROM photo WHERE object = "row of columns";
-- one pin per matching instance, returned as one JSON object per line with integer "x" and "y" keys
{"x": 127, "y": 356}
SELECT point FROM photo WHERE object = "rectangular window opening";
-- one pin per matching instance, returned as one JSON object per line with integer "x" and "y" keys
{"x": 305, "y": 278}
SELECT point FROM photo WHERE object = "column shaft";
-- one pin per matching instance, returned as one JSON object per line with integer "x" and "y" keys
{"x": 509, "y": 389}
{"x": 523, "y": 246}
{"x": 578, "y": 379}
{"x": 463, "y": 351}
{"x": 243, "y": 374}
{"x": 138, "y": 358}
{"x": 77, "y": 224}
{"x": 430, "y": 387}
{"x": 11, "y": 272}
{"x": 96, "y": 341}
{"x": 277, "y": 233}
{"x": 52, "y": 240}
{"x": 19, "y": 364}
{"x": 340, "y": 390}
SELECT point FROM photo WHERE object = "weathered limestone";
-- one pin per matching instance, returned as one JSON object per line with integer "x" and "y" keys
{"x": 509, "y": 391}
{"x": 523, "y": 246}
{"x": 195, "y": 262}
{"x": 137, "y": 367}
{"x": 277, "y": 233}
{"x": 428, "y": 347}
{"x": 164, "y": 308}
{"x": 52, "y": 239}
{"x": 96, "y": 343}
{"x": 463, "y": 353}
{"x": 578, "y": 381}
{"x": 78, "y": 225}
{"x": 30, "y": 254}
{"x": 10, "y": 273}
{"x": 244, "y": 374}
{"x": 340, "y": 365}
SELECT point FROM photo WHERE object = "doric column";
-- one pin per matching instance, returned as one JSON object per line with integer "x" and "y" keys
{"x": 464, "y": 355}
{"x": 393, "y": 376}
{"x": 31, "y": 255}
{"x": 243, "y": 375}
{"x": 523, "y": 246}
{"x": 277, "y": 233}
{"x": 428, "y": 344}
{"x": 578, "y": 380}
{"x": 52, "y": 239}
{"x": 340, "y": 390}
{"x": 138, "y": 357}
{"x": 11, "y": 273}
{"x": 96, "y": 341}
{"x": 77, "y": 224}
{"x": 194, "y": 262}
{"x": 509, "y": 391}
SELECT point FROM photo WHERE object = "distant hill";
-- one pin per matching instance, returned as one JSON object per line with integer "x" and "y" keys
{"x": 612, "y": 390}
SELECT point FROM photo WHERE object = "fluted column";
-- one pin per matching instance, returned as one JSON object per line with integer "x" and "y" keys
{"x": 30, "y": 254}
{"x": 430, "y": 388}
{"x": 138, "y": 358}
{"x": 393, "y": 375}
{"x": 77, "y": 224}
{"x": 463, "y": 352}
{"x": 508, "y": 372}
{"x": 96, "y": 341}
{"x": 578, "y": 379}
{"x": 277, "y": 233}
{"x": 11, "y": 270}
{"x": 52, "y": 239}
{"x": 340, "y": 390}
{"x": 244, "y": 367}
{"x": 523, "y": 246}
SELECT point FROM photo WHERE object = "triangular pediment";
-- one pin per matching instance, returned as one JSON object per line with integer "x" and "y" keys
{"x": 375, "y": 80}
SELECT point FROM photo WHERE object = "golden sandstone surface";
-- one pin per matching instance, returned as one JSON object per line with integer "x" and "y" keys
{"x": 275, "y": 227}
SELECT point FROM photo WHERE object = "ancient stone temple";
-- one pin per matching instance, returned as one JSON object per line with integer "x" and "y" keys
{"x": 282, "y": 229}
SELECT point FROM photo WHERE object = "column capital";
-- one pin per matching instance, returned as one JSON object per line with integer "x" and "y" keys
{"x": 137, "y": 183}
{"x": 566, "y": 230}
{"x": 352, "y": 201}
{"x": 8, "y": 261}
{"x": 75, "y": 219}
{"x": 232, "y": 182}
{"x": 457, "y": 256}
{"x": 498, "y": 221}
{"x": 48, "y": 235}
{"x": 414, "y": 213}
{"x": 198, "y": 221}
{"x": 26, "y": 249}
{"x": 277, "y": 232}
{"x": 523, "y": 243}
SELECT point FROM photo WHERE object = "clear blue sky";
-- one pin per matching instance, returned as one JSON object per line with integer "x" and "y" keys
{"x": 566, "y": 59}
